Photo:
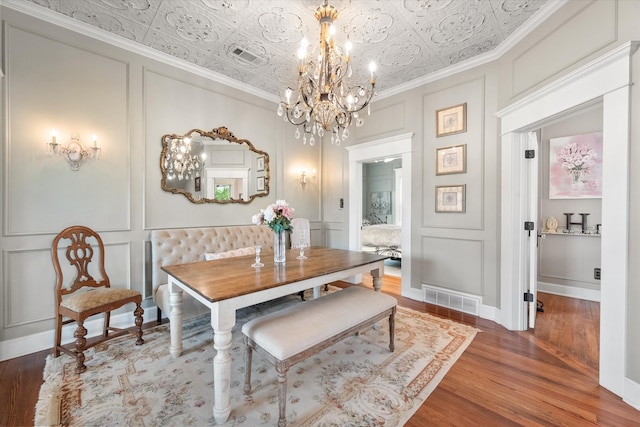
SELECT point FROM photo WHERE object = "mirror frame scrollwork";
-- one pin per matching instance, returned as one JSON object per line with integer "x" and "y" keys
{"x": 216, "y": 133}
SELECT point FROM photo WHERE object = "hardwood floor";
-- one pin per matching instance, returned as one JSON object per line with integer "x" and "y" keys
{"x": 547, "y": 377}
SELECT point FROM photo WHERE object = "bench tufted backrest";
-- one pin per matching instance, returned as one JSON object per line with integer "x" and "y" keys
{"x": 183, "y": 245}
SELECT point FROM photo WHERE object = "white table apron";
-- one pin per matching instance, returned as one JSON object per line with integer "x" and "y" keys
{"x": 223, "y": 319}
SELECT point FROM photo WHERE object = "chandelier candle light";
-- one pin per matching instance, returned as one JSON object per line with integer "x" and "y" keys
{"x": 325, "y": 101}
{"x": 278, "y": 217}
{"x": 179, "y": 161}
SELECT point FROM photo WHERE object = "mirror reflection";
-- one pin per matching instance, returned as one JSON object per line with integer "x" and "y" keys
{"x": 213, "y": 167}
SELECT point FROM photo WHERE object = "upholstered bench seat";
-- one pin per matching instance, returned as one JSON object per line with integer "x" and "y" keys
{"x": 184, "y": 245}
{"x": 288, "y": 336}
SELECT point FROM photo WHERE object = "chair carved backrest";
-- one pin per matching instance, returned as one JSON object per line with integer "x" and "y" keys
{"x": 80, "y": 253}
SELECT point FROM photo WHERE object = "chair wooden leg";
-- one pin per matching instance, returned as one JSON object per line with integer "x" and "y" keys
{"x": 282, "y": 398}
{"x": 107, "y": 323}
{"x": 81, "y": 343}
{"x": 58, "y": 337}
{"x": 158, "y": 315}
{"x": 248, "y": 354}
{"x": 139, "y": 311}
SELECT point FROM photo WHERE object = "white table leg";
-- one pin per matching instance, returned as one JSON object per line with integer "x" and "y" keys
{"x": 222, "y": 322}
{"x": 377, "y": 278}
{"x": 175, "y": 319}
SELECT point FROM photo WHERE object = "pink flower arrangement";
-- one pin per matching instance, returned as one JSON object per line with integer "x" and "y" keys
{"x": 277, "y": 216}
{"x": 576, "y": 157}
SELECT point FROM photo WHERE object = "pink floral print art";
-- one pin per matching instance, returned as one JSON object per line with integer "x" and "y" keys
{"x": 575, "y": 167}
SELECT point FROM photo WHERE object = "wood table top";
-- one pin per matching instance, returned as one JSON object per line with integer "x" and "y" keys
{"x": 226, "y": 278}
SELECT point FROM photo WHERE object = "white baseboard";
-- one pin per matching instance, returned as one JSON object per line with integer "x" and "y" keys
{"x": 632, "y": 393}
{"x": 17, "y": 347}
{"x": 569, "y": 291}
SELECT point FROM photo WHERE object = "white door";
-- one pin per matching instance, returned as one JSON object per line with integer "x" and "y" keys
{"x": 532, "y": 279}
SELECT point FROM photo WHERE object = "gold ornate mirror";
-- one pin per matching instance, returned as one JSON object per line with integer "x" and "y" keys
{"x": 213, "y": 167}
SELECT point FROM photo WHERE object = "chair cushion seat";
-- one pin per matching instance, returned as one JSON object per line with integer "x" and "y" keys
{"x": 97, "y": 298}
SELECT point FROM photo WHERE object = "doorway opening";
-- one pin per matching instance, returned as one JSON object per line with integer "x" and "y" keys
{"x": 605, "y": 80}
{"x": 395, "y": 147}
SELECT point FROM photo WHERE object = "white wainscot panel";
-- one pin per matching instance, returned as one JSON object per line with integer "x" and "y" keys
{"x": 30, "y": 282}
{"x": 454, "y": 264}
{"x": 569, "y": 260}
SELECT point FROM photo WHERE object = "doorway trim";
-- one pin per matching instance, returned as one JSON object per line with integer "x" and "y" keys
{"x": 607, "y": 80}
{"x": 400, "y": 145}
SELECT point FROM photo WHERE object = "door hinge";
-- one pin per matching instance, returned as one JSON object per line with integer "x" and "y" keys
{"x": 529, "y": 154}
{"x": 528, "y": 297}
{"x": 529, "y": 226}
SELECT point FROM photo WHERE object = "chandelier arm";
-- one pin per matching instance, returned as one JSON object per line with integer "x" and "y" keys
{"x": 358, "y": 107}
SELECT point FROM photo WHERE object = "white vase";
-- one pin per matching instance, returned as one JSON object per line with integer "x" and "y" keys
{"x": 279, "y": 254}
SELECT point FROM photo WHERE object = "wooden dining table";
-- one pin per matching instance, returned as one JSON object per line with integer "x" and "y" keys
{"x": 229, "y": 284}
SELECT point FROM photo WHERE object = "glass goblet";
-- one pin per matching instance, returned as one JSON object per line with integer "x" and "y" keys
{"x": 258, "y": 263}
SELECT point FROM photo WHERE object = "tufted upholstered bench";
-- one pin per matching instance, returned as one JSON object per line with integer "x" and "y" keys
{"x": 290, "y": 335}
{"x": 184, "y": 245}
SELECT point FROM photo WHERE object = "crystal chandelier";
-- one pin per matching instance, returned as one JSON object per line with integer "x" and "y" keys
{"x": 179, "y": 162}
{"x": 324, "y": 101}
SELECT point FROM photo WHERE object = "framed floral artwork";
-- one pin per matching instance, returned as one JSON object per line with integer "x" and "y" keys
{"x": 575, "y": 166}
{"x": 260, "y": 183}
{"x": 450, "y": 198}
{"x": 260, "y": 164}
{"x": 450, "y": 160}
{"x": 451, "y": 120}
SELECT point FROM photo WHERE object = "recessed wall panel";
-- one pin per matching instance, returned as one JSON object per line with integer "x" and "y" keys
{"x": 77, "y": 93}
{"x": 585, "y": 33}
{"x": 454, "y": 264}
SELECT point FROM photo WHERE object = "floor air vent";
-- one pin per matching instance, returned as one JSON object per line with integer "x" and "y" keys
{"x": 455, "y": 301}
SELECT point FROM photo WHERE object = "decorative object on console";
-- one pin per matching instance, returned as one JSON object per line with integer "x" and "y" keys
{"x": 451, "y": 120}
{"x": 451, "y": 160}
{"x": 582, "y": 224}
{"x": 184, "y": 171}
{"x": 73, "y": 152}
{"x": 278, "y": 217}
{"x": 551, "y": 225}
{"x": 575, "y": 167}
{"x": 325, "y": 101}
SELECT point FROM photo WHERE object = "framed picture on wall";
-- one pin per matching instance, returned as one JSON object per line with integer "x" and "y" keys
{"x": 450, "y": 160}
{"x": 575, "y": 166}
{"x": 260, "y": 183}
{"x": 450, "y": 198}
{"x": 451, "y": 120}
{"x": 260, "y": 164}
{"x": 197, "y": 184}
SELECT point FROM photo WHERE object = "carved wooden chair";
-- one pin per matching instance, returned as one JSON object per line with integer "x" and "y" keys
{"x": 83, "y": 296}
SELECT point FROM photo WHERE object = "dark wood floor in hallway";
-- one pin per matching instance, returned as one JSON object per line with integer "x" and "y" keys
{"x": 504, "y": 378}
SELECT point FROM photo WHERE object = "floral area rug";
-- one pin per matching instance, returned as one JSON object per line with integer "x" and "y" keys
{"x": 356, "y": 382}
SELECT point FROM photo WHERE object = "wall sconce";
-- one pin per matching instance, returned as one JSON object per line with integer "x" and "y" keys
{"x": 303, "y": 176}
{"x": 73, "y": 152}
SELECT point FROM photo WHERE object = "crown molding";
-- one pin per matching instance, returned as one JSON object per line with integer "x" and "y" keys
{"x": 516, "y": 37}
{"x": 74, "y": 25}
